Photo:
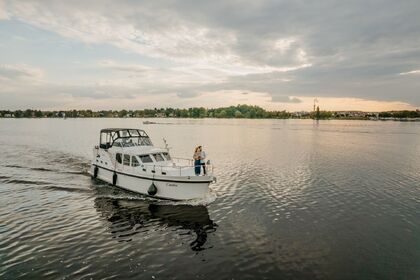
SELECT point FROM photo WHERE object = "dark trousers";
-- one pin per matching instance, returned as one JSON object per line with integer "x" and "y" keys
{"x": 204, "y": 167}
{"x": 197, "y": 167}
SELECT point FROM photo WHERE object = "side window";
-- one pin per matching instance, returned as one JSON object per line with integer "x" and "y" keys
{"x": 126, "y": 159}
{"x": 118, "y": 158}
{"x": 158, "y": 157}
{"x": 145, "y": 159}
{"x": 117, "y": 144}
{"x": 145, "y": 141}
{"x": 134, "y": 161}
{"x": 167, "y": 156}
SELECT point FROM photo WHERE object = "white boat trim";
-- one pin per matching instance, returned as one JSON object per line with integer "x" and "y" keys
{"x": 157, "y": 179}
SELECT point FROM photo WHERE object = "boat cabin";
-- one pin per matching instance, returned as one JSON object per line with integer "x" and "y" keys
{"x": 123, "y": 137}
{"x": 133, "y": 148}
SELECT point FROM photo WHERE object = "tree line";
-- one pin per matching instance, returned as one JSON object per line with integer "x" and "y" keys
{"x": 239, "y": 111}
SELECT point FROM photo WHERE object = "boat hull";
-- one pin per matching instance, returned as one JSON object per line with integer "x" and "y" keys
{"x": 174, "y": 188}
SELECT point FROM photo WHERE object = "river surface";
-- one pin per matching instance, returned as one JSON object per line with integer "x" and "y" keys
{"x": 294, "y": 199}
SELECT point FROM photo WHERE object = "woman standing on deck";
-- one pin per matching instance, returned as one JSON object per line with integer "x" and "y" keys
{"x": 197, "y": 161}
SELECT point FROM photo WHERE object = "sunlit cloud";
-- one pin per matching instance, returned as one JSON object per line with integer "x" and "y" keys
{"x": 285, "y": 99}
{"x": 281, "y": 54}
{"x": 410, "y": 72}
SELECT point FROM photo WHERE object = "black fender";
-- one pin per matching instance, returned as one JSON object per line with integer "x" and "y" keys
{"x": 95, "y": 172}
{"x": 152, "y": 189}
{"x": 114, "y": 179}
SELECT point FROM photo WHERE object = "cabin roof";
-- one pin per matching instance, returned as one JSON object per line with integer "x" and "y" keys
{"x": 140, "y": 150}
{"x": 105, "y": 130}
{"x": 108, "y": 136}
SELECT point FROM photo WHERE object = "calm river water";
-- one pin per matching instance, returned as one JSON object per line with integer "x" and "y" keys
{"x": 295, "y": 199}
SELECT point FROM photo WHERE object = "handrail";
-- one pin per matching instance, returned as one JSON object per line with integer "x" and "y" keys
{"x": 182, "y": 158}
{"x": 182, "y": 170}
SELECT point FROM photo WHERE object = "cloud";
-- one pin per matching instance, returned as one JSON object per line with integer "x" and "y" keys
{"x": 285, "y": 99}
{"x": 134, "y": 28}
{"x": 187, "y": 94}
{"x": 410, "y": 72}
{"x": 133, "y": 68}
{"x": 20, "y": 71}
{"x": 3, "y": 12}
{"x": 331, "y": 49}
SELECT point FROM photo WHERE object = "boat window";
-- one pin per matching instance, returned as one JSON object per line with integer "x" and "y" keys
{"x": 167, "y": 156}
{"x": 158, "y": 157}
{"x": 126, "y": 159}
{"x": 134, "y": 132}
{"x": 134, "y": 161}
{"x": 146, "y": 158}
{"x": 117, "y": 144}
{"x": 127, "y": 142}
{"x": 118, "y": 158}
{"x": 145, "y": 141}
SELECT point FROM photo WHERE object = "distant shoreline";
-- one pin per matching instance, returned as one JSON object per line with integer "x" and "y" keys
{"x": 232, "y": 112}
{"x": 292, "y": 118}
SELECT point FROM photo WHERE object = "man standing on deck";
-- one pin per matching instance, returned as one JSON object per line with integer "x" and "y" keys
{"x": 203, "y": 159}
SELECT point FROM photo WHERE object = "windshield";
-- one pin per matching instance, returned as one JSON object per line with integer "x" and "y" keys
{"x": 124, "y": 138}
{"x": 167, "y": 156}
{"x": 158, "y": 157}
{"x": 132, "y": 141}
{"x": 145, "y": 158}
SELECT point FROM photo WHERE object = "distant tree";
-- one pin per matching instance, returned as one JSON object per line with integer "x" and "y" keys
{"x": 221, "y": 114}
{"x": 18, "y": 114}
{"x": 238, "y": 114}
{"x": 27, "y": 113}
{"x": 122, "y": 113}
{"x": 38, "y": 114}
{"x": 184, "y": 113}
{"x": 202, "y": 112}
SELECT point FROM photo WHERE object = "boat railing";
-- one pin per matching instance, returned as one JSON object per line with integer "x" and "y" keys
{"x": 183, "y": 161}
{"x": 176, "y": 170}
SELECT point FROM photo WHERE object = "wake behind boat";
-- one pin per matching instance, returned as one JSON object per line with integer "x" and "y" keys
{"x": 126, "y": 158}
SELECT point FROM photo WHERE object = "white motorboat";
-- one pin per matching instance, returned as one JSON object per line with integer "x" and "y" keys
{"x": 126, "y": 158}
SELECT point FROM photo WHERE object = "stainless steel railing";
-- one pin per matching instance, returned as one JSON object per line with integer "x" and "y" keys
{"x": 176, "y": 170}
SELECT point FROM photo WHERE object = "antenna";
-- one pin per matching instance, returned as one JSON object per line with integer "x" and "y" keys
{"x": 315, "y": 101}
{"x": 166, "y": 144}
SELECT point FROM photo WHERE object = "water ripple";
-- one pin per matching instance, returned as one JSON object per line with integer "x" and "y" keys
{"x": 294, "y": 200}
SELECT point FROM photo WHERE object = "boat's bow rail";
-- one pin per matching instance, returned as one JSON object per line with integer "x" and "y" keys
{"x": 179, "y": 167}
{"x": 176, "y": 170}
{"x": 183, "y": 161}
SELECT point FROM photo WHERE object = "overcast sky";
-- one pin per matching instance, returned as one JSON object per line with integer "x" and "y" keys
{"x": 143, "y": 54}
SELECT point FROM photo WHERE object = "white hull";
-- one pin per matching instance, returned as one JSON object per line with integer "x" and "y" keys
{"x": 168, "y": 187}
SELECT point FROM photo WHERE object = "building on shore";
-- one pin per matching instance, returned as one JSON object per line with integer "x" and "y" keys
{"x": 355, "y": 114}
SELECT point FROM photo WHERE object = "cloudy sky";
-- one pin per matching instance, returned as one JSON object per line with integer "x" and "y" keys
{"x": 277, "y": 54}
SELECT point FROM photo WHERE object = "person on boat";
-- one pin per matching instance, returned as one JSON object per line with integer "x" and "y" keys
{"x": 203, "y": 160}
{"x": 197, "y": 162}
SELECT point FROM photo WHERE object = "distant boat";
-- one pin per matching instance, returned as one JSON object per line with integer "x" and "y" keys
{"x": 126, "y": 158}
{"x": 148, "y": 122}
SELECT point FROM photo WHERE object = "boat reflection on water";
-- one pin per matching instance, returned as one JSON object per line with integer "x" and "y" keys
{"x": 131, "y": 217}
